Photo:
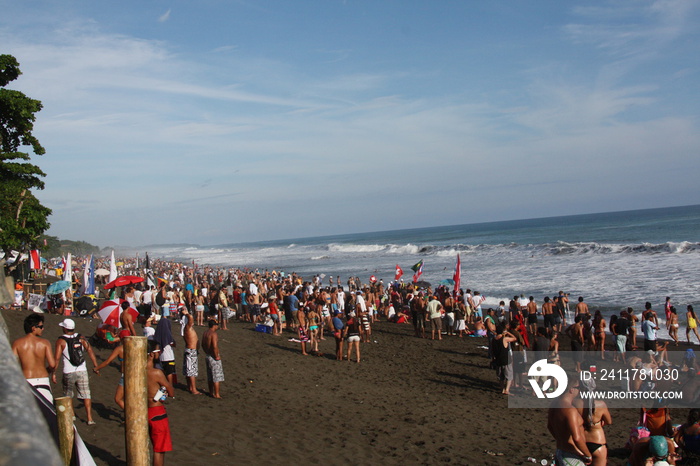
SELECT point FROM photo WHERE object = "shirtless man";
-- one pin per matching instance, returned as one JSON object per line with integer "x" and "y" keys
{"x": 215, "y": 369}
{"x": 127, "y": 320}
{"x": 548, "y": 313}
{"x": 532, "y": 315}
{"x": 190, "y": 367}
{"x": 35, "y": 355}
{"x": 581, "y": 307}
{"x": 575, "y": 332}
{"x": 418, "y": 315}
{"x": 158, "y": 425}
{"x": 566, "y": 426}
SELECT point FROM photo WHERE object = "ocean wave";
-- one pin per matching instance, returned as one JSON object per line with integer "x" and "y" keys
{"x": 319, "y": 258}
{"x": 356, "y": 248}
{"x": 556, "y": 249}
{"x": 564, "y": 248}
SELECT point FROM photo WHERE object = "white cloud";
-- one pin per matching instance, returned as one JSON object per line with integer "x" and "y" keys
{"x": 164, "y": 17}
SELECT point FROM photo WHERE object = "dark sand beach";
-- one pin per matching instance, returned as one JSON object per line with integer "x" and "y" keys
{"x": 410, "y": 401}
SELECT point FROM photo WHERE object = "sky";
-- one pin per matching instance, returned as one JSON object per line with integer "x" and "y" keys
{"x": 224, "y": 121}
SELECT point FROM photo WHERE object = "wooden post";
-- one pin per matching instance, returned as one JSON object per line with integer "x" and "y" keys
{"x": 66, "y": 436}
{"x": 136, "y": 401}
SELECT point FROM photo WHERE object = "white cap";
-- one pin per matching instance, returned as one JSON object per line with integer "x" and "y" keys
{"x": 68, "y": 324}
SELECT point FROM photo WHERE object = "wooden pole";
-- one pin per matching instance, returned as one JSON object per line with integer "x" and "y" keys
{"x": 66, "y": 436}
{"x": 136, "y": 401}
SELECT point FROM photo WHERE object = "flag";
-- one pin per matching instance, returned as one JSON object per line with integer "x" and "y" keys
{"x": 148, "y": 262}
{"x": 457, "y": 277}
{"x": 68, "y": 269}
{"x": 398, "y": 273}
{"x": 418, "y": 268}
{"x": 137, "y": 261}
{"x": 112, "y": 268}
{"x": 89, "y": 277}
{"x": 34, "y": 259}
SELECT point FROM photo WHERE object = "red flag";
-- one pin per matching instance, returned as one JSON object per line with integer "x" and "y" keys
{"x": 457, "y": 277}
{"x": 398, "y": 274}
{"x": 34, "y": 259}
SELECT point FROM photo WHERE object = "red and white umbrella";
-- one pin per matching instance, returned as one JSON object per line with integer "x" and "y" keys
{"x": 124, "y": 280}
{"x": 111, "y": 311}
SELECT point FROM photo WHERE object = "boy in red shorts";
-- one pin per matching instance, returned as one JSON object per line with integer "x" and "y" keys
{"x": 158, "y": 425}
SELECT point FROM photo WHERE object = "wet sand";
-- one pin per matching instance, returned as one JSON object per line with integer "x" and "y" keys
{"x": 410, "y": 401}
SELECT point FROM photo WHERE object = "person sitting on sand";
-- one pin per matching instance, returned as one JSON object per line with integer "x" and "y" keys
{"x": 479, "y": 328}
{"x": 657, "y": 449}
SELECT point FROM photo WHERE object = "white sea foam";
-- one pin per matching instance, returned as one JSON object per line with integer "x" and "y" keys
{"x": 610, "y": 275}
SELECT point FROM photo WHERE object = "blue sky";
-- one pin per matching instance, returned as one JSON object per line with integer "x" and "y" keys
{"x": 220, "y": 121}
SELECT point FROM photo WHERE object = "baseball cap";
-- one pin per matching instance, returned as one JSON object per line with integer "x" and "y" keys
{"x": 68, "y": 324}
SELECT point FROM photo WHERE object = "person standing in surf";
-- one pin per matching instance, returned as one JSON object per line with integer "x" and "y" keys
{"x": 692, "y": 324}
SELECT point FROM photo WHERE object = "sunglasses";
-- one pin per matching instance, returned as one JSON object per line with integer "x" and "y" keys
{"x": 39, "y": 326}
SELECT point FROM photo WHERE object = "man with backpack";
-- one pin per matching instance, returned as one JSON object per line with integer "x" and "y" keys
{"x": 70, "y": 349}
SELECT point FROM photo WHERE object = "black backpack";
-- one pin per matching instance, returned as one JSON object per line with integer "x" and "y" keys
{"x": 76, "y": 354}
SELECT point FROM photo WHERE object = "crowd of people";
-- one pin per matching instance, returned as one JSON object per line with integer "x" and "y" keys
{"x": 310, "y": 310}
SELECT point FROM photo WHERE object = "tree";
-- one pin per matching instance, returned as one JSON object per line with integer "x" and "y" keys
{"x": 23, "y": 219}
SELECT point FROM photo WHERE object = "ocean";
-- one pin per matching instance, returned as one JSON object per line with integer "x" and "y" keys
{"x": 614, "y": 260}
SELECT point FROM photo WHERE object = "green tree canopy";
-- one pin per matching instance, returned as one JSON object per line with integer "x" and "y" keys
{"x": 22, "y": 217}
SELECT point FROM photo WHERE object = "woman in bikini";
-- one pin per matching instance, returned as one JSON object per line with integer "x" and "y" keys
{"x": 595, "y": 416}
{"x": 118, "y": 354}
{"x": 673, "y": 325}
{"x": 692, "y": 324}
{"x": 599, "y": 328}
{"x": 314, "y": 320}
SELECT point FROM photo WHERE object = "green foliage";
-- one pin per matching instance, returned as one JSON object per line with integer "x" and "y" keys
{"x": 57, "y": 247}
{"x": 23, "y": 219}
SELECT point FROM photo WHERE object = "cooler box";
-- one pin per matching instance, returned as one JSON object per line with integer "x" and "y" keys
{"x": 263, "y": 328}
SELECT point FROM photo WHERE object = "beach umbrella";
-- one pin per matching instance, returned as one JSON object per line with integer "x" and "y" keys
{"x": 101, "y": 272}
{"x": 111, "y": 311}
{"x": 422, "y": 284}
{"x": 58, "y": 287}
{"x": 447, "y": 282}
{"x": 124, "y": 280}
